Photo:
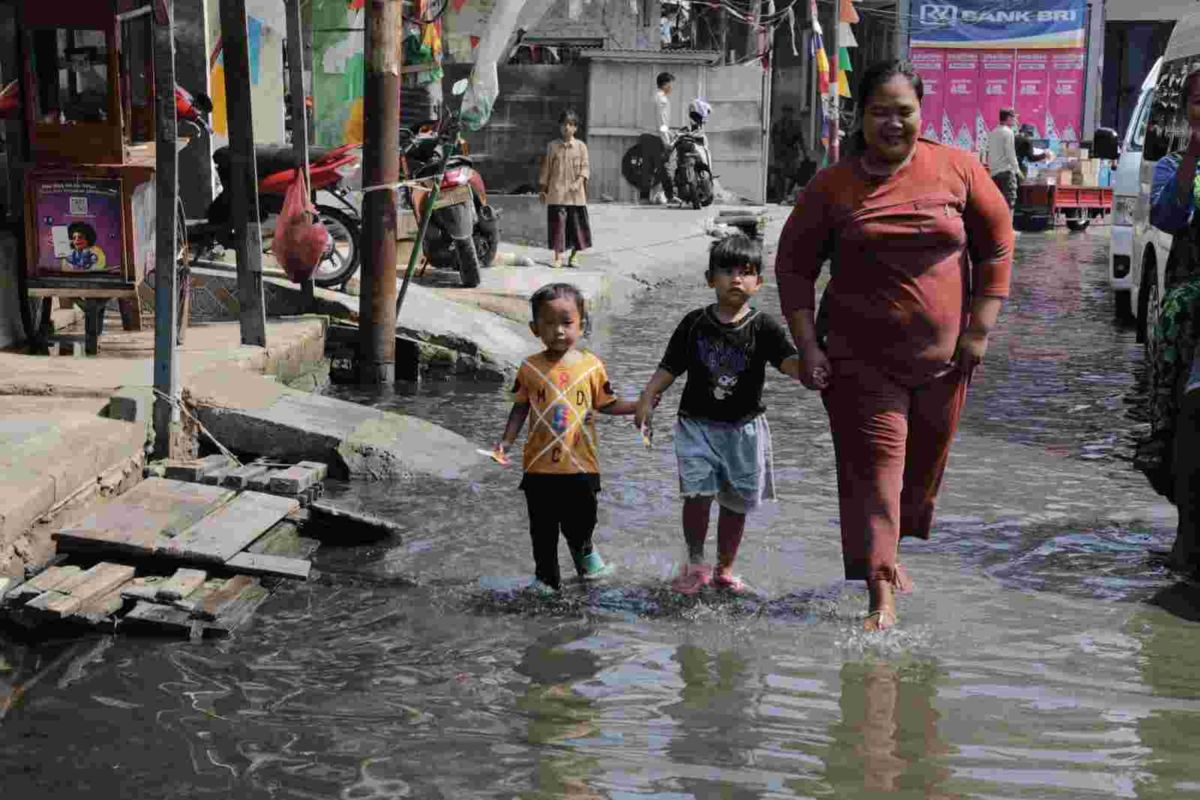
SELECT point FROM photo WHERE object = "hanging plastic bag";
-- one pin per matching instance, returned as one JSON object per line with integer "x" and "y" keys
{"x": 300, "y": 237}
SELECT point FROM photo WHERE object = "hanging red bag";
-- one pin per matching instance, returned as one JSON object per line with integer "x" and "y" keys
{"x": 300, "y": 237}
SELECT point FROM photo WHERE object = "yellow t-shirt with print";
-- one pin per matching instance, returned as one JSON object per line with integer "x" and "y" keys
{"x": 562, "y": 398}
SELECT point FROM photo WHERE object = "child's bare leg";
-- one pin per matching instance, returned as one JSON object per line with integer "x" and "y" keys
{"x": 695, "y": 526}
{"x": 883, "y": 606}
{"x": 730, "y": 527}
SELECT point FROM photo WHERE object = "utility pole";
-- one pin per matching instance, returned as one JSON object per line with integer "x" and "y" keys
{"x": 295, "y": 59}
{"x": 835, "y": 100}
{"x": 900, "y": 43}
{"x": 247, "y": 239}
{"x": 166, "y": 293}
{"x": 381, "y": 171}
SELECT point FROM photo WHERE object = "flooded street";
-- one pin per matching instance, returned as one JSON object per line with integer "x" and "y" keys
{"x": 1045, "y": 654}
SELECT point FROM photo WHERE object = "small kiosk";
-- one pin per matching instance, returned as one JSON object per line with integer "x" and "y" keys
{"x": 88, "y": 87}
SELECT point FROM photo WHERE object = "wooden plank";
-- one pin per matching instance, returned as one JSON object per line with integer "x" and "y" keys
{"x": 144, "y": 588}
{"x": 215, "y": 602}
{"x": 296, "y": 479}
{"x": 225, "y": 532}
{"x": 136, "y": 521}
{"x": 159, "y": 616}
{"x": 240, "y": 477}
{"x": 266, "y": 564}
{"x": 100, "y": 610}
{"x": 195, "y": 470}
{"x": 284, "y": 539}
{"x": 182, "y": 583}
{"x": 42, "y": 583}
{"x": 99, "y": 580}
{"x": 352, "y": 523}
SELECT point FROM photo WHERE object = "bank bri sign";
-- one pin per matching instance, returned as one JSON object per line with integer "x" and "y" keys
{"x": 1007, "y": 24}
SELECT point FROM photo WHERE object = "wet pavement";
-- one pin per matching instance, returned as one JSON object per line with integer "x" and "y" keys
{"x": 1046, "y": 653}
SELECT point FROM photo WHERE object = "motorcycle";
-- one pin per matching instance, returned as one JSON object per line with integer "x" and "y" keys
{"x": 693, "y": 161}
{"x": 276, "y": 170}
{"x": 463, "y": 233}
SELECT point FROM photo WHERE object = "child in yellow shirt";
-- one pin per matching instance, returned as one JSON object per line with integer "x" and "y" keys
{"x": 562, "y": 387}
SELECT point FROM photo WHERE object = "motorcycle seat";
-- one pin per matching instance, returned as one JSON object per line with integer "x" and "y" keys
{"x": 268, "y": 159}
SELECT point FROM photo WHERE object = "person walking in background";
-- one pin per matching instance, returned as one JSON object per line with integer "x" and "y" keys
{"x": 563, "y": 386}
{"x": 722, "y": 440}
{"x": 791, "y": 153}
{"x": 656, "y": 147}
{"x": 1027, "y": 152}
{"x": 905, "y": 221}
{"x": 1002, "y": 156}
{"x": 562, "y": 187}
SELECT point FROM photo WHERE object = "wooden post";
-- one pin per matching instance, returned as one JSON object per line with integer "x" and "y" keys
{"x": 835, "y": 98}
{"x": 295, "y": 59}
{"x": 381, "y": 167}
{"x": 166, "y": 201}
{"x": 247, "y": 237}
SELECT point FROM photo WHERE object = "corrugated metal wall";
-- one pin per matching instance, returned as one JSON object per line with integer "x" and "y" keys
{"x": 508, "y": 150}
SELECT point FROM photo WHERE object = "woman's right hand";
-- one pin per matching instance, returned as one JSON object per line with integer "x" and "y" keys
{"x": 814, "y": 368}
{"x": 542, "y": 198}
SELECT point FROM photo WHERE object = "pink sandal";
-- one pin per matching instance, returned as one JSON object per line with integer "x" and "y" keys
{"x": 691, "y": 579}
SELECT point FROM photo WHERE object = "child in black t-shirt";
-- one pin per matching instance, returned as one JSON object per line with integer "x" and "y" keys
{"x": 722, "y": 441}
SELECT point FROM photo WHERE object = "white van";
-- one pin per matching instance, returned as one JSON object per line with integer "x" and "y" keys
{"x": 1166, "y": 133}
{"x": 1126, "y": 186}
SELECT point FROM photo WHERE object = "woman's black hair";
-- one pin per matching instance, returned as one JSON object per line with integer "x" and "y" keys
{"x": 568, "y": 116}
{"x": 87, "y": 230}
{"x": 875, "y": 76}
{"x": 735, "y": 250}
{"x": 557, "y": 291}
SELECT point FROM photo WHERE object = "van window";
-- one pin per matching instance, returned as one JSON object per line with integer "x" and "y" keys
{"x": 1138, "y": 139}
{"x": 1167, "y": 129}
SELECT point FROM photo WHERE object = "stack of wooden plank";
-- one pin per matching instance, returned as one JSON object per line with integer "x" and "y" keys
{"x": 300, "y": 481}
{"x": 195, "y": 556}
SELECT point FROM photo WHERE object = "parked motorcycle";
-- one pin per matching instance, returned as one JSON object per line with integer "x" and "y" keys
{"x": 276, "y": 170}
{"x": 463, "y": 232}
{"x": 693, "y": 161}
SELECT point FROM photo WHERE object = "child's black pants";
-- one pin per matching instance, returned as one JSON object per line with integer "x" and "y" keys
{"x": 563, "y": 504}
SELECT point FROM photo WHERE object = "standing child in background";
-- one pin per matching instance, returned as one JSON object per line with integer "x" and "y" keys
{"x": 722, "y": 441}
{"x": 562, "y": 186}
{"x": 563, "y": 387}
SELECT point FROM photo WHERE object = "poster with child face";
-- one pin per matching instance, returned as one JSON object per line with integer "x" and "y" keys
{"x": 78, "y": 227}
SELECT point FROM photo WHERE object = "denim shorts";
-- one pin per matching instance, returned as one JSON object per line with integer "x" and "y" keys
{"x": 727, "y": 460}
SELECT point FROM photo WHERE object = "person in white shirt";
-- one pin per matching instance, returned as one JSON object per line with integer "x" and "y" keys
{"x": 656, "y": 149}
{"x": 1002, "y": 156}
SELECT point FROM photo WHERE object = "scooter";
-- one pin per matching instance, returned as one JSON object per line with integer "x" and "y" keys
{"x": 276, "y": 170}
{"x": 463, "y": 232}
{"x": 693, "y": 161}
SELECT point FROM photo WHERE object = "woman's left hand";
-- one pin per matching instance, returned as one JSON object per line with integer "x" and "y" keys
{"x": 972, "y": 345}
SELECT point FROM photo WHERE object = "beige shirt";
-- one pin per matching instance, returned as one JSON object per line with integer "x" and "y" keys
{"x": 1002, "y": 151}
{"x": 564, "y": 173}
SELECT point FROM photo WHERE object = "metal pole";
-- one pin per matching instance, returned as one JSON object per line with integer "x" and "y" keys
{"x": 166, "y": 171}
{"x": 381, "y": 167}
{"x": 295, "y": 58}
{"x": 247, "y": 239}
{"x": 835, "y": 60}
{"x": 1093, "y": 67}
{"x": 900, "y": 44}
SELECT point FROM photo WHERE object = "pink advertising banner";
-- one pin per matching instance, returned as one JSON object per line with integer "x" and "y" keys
{"x": 1032, "y": 81}
{"x": 1064, "y": 110}
{"x": 930, "y": 64}
{"x": 995, "y": 84}
{"x": 960, "y": 105}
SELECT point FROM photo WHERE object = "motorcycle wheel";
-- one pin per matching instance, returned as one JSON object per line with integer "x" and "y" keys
{"x": 468, "y": 263}
{"x": 341, "y": 258}
{"x": 486, "y": 245}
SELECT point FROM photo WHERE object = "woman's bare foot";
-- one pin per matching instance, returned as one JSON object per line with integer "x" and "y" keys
{"x": 882, "y": 613}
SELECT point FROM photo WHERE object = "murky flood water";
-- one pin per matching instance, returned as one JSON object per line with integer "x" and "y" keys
{"x": 1036, "y": 660}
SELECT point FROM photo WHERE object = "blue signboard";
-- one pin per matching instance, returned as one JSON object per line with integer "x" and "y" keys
{"x": 999, "y": 23}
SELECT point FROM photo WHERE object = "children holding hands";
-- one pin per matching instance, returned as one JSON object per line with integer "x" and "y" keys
{"x": 722, "y": 440}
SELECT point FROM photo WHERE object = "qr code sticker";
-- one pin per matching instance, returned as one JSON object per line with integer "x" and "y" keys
{"x": 79, "y": 206}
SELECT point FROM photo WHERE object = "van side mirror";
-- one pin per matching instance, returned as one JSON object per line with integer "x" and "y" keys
{"x": 1105, "y": 144}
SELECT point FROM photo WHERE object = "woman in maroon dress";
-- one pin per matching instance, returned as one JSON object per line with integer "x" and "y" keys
{"x": 920, "y": 244}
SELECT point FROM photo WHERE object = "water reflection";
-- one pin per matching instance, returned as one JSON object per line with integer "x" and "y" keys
{"x": 558, "y": 716}
{"x": 887, "y": 742}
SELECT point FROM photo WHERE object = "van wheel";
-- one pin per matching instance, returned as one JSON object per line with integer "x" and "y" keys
{"x": 1123, "y": 307}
